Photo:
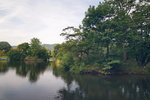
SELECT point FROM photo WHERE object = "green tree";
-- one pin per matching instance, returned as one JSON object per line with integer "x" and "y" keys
{"x": 24, "y": 49}
{"x": 15, "y": 55}
{"x": 5, "y": 46}
{"x": 35, "y": 43}
{"x": 36, "y": 50}
{"x": 35, "y": 46}
{"x": 43, "y": 53}
{"x": 141, "y": 39}
{"x": 115, "y": 30}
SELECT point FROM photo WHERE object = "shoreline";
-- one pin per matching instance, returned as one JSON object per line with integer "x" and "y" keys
{"x": 114, "y": 73}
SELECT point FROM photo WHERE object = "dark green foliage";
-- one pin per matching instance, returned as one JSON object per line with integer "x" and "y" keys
{"x": 15, "y": 55}
{"x": 35, "y": 46}
{"x": 142, "y": 53}
{"x": 67, "y": 61}
{"x": 112, "y": 66}
{"x": 24, "y": 50}
{"x": 35, "y": 50}
{"x": 5, "y": 46}
{"x": 113, "y": 32}
{"x": 42, "y": 53}
{"x": 35, "y": 43}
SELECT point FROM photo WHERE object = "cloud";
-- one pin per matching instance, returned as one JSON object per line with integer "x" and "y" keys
{"x": 21, "y": 20}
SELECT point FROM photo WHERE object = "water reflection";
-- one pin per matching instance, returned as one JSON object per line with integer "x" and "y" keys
{"x": 32, "y": 70}
{"x": 104, "y": 88}
{"x": 52, "y": 83}
{"x": 3, "y": 66}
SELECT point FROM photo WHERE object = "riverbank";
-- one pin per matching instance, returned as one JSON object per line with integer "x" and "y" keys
{"x": 117, "y": 73}
{"x": 33, "y": 59}
{"x": 129, "y": 67}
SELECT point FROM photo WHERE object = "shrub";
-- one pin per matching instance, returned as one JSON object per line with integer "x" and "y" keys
{"x": 112, "y": 66}
{"x": 67, "y": 61}
{"x": 14, "y": 55}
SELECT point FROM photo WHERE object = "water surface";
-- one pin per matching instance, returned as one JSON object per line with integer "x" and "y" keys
{"x": 42, "y": 81}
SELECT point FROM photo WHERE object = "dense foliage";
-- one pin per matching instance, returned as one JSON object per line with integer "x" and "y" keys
{"x": 27, "y": 51}
{"x": 111, "y": 33}
{"x": 5, "y": 46}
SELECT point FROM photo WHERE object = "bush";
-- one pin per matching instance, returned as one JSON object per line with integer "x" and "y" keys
{"x": 67, "y": 61}
{"x": 5, "y": 46}
{"x": 42, "y": 53}
{"x": 14, "y": 55}
{"x": 112, "y": 66}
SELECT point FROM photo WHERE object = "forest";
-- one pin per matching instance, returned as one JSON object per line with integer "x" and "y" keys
{"x": 113, "y": 37}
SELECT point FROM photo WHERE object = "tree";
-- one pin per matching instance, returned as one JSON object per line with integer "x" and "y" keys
{"x": 24, "y": 50}
{"x": 5, "y": 46}
{"x": 42, "y": 53}
{"x": 35, "y": 43}
{"x": 15, "y": 55}
{"x": 37, "y": 50}
{"x": 141, "y": 39}
{"x": 118, "y": 24}
{"x": 113, "y": 32}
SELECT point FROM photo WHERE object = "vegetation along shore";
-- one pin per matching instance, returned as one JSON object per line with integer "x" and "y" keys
{"x": 114, "y": 38}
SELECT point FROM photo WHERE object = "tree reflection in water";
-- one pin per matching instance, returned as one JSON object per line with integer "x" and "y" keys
{"x": 103, "y": 87}
{"x": 32, "y": 70}
{"x": 83, "y": 87}
{"x": 3, "y": 66}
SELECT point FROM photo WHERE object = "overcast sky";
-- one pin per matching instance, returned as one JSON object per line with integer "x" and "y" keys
{"x": 21, "y": 20}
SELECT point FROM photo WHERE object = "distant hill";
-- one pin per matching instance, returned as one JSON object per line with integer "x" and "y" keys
{"x": 14, "y": 46}
{"x": 49, "y": 46}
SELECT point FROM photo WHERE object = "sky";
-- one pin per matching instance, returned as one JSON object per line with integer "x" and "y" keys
{"x": 22, "y": 20}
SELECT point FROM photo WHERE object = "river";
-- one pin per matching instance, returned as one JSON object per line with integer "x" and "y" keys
{"x": 43, "y": 81}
